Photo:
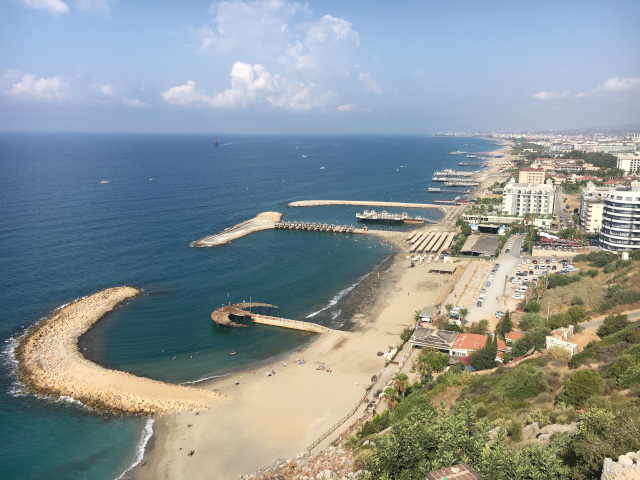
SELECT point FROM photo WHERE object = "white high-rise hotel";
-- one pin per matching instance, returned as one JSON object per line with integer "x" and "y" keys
{"x": 521, "y": 198}
{"x": 620, "y": 228}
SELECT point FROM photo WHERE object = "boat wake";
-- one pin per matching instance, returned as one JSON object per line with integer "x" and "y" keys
{"x": 203, "y": 379}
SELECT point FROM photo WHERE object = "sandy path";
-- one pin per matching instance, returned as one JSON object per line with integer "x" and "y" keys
{"x": 281, "y": 415}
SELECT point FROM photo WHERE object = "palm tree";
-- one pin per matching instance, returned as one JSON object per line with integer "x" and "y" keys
{"x": 449, "y": 307}
{"x": 392, "y": 397}
{"x": 401, "y": 383}
{"x": 416, "y": 316}
{"x": 464, "y": 311}
{"x": 422, "y": 365}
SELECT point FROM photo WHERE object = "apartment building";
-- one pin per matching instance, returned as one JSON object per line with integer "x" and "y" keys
{"x": 620, "y": 228}
{"x": 521, "y": 198}
{"x": 531, "y": 175}
{"x": 591, "y": 206}
{"x": 629, "y": 162}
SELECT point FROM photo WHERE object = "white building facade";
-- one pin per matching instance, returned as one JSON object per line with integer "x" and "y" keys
{"x": 521, "y": 198}
{"x": 591, "y": 207}
{"x": 620, "y": 228}
{"x": 629, "y": 162}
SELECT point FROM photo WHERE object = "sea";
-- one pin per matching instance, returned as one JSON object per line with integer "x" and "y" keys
{"x": 80, "y": 212}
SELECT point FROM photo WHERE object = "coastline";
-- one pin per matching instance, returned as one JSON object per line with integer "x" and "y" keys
{"x": 50, "y": 363}
{"x": 279, "y": 416}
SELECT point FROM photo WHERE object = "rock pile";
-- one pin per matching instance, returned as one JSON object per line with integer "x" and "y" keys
{"x": 626, "y": 468}
{"x": 49, "y": 363}
{"x": 333, "y": 463}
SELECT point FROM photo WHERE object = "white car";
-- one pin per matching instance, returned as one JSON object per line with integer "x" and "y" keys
{"x": 516, "y": 281}
{"x": 517, "y": 296}
{"x": 528, "y": 261}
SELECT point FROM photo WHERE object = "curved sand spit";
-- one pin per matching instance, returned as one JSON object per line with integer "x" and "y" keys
{"x": 49, "y": 362}
{"x": 263, "y": 221}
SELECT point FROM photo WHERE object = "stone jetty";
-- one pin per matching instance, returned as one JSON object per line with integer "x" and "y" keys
{"x": 50, "y": 363}
{"x": 263, "y": 221}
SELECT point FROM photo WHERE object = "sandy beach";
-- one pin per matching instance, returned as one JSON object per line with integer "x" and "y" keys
{"x": 279, "y": 416}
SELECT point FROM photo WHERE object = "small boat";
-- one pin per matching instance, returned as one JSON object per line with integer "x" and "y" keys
{"x": 321, "y": 168}
{"x": 104, "y": 181}
{"x": 215, "y": 142}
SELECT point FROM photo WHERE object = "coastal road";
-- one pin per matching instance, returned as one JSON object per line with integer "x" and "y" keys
{"x": 633, "y": 315}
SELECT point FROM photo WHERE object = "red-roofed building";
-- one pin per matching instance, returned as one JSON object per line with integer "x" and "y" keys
{"x": 511, "y": 337}
{"x": 470, "y": 342}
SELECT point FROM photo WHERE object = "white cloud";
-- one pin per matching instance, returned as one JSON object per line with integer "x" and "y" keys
{"x": 254, "y": 85}
{"x": 331, "y": 29}
{"x": 614, "y": 85}
{"x": 55, "y": 7}
{"x": 551, "y": 95}
{"x": 347, "y": 107}
{"x": 369, "y": 83}
{"x": 184, "y": 94}
{"x": 17, "y": 86}
{"x": 102, "y": 7}
{"x": 133, "y": 102}
{"x": 106, "y": 89}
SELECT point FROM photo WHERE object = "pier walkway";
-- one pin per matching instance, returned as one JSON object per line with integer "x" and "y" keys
{"x": 223, "y": 316}
{"x": 317, "y": 203}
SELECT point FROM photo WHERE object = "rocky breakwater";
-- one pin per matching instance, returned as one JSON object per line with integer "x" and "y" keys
{"x": 50, "y": 363}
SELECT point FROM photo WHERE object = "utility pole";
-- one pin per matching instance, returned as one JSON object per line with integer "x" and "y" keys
{"x": 548, "y": 307}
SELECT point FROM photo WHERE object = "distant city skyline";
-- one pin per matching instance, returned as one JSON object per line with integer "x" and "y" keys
{"x": 279, "y": 66}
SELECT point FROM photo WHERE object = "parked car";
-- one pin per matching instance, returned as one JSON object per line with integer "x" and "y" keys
{"x": 479, "y": 304}
{"x": 521, "y": 274}
{"x": 488, "y": 284}
{"x": 534, "y": 261}
{"x": 499, "y": 314}
{"x": 517, "y": 296}
{"x": 553, "y": 267}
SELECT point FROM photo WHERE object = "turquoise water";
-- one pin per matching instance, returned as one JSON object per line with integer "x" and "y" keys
{"x": 64, "y": 235}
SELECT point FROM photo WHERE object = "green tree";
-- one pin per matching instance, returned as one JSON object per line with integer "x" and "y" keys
{"x": 630, "y": 377}
{"x": 430, "y": 361}
{"x": 449, "y": 307}
{"x": 464, "y": 311}
{"x": 532, "y": 306}
{"x": 582, "y": 385}
{"x": 416, "y": 316}
{"x": 401, "y": 383}
{"x": 530, "y": 321}
{"x": 392, "y": 397}
{"x": 480, "y": 328}
{"x": 522, "y": 345}
{"x": 505, "y": 324}
{"x": 485, "y": 357}
{"x": 612, "y": 324}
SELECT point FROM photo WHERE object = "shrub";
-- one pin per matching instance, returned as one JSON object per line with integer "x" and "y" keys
{"x": 524, "y": 381}
{"x": 612, "y": 324}
{"x": 576, "y": 314}
{"x": 630, "y": 377}
{"x": 577, "y": 301}
{"x": 514, "y": 429}
{"x": 523, "y": 345}
{"x": 592, "y": 272}
{"x": 406, "y": 334}
{"x": 532, "y": 306}
{"x": 621, "y": 364}
{"x": 582, "y": 385}
{"x": 530, "y": 321}
{"x": 562, "y": 280}
{"x": 559, "y": 353}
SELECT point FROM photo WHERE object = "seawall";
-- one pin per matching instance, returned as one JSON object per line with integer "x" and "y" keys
{"x": 50, "y": 363}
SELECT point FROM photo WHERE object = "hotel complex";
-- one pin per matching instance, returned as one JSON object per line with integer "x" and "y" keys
{"x": 521, "y": 198}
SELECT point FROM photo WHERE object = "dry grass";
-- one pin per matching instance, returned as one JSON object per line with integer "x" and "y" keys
{"x": 592, "y": 291}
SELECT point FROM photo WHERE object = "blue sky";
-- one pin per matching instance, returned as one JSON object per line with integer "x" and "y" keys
{"x": 277, "y": 66}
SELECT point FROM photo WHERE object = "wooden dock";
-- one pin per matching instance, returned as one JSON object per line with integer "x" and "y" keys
{"x": 224, "y": 316}
{"x": 319, "y": 227}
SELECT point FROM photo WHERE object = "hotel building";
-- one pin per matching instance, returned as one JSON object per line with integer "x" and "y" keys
{"x": 620, "y": 228}
{"x": 521, "y": 198}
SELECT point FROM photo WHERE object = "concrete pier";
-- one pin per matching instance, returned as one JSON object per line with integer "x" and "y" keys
{"x": 222, "y": 316}
{"x": 317, "y": 203}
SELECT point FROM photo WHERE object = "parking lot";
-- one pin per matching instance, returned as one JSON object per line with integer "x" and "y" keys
{"x": 497, "y": 286}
